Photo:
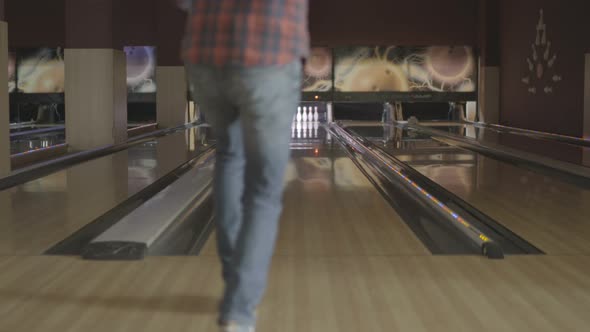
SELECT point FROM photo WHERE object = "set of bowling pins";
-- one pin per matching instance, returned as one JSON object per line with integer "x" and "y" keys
{"x": 312, "y": 116}
{"x": 305, "y": 124}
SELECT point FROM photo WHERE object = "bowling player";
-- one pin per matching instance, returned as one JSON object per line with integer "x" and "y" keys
{"x": 244, "y": 65}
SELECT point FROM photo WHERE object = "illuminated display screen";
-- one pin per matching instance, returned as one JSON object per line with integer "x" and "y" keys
{"x": 317, "y": 73}
{"x": 405, "y": 69}
{"x": 41, "y": 70}
{"x": 11, "y": 72}
{"x": 141, "y": 69}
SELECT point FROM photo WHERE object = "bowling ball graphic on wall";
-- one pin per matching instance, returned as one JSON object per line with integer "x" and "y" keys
{"x": 404, "y": 69}
{"x": 374, "y": 75}
{"x": 318, "y": 70}
{"x": 141, "y": 69}
{"x": 450, "y": 65}
{"x": 365, "y": 69}
{"x": 41, "y": 70}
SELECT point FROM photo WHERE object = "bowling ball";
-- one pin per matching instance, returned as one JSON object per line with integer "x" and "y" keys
{"x": 449, "y": 64}
{"x": 319, "y": 64}
{"x": 374, "y": 75}
{"x": 413, "y": 120}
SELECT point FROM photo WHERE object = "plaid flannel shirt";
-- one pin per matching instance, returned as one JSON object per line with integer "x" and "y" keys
{"x": 246, "y": 33}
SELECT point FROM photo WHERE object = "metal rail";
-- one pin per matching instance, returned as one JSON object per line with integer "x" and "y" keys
{"x": 488, "y": 246}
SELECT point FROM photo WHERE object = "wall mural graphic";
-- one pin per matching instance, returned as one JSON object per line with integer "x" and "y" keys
{"x": 41, "y": 70}
{"x": 541, "y": 75}
{"x": 405, "y": 69}
{"x": 317, "y": 73}
{"x": 141, "y": 69}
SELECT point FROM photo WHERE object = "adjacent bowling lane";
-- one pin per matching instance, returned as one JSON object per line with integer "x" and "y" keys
{"x": 526, "y": 144}
{"x": 40, "y": 213}
{"x": 549, "y": 212}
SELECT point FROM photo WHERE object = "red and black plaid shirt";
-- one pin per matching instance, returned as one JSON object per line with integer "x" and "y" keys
{"x": 246, "y": 32}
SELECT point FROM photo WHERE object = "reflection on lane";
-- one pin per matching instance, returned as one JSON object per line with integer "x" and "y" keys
{"x": 331, "y": 208}
{"x": 37, "y": 142}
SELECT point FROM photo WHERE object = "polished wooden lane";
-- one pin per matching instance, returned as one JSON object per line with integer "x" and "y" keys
{"x": 38, "y": 214}
{"x": 548, "y": 212}
{"x": 324, "y": 294}
{"x": 330, "y": 208}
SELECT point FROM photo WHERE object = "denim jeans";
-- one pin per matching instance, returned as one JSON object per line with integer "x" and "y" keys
{"x": 250, "y": 110}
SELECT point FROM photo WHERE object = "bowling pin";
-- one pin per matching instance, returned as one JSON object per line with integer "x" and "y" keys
{"x": 315, "y": 129}
{"x": 304, "y": 116}
{"x": 315, "y": 114}
{"x": 304, "y": 128}
{"x": 299, "y": 114}
{"x": 293, "y": 130}
{"x": 298, "y": 129}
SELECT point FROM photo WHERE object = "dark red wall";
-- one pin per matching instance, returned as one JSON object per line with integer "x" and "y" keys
{"x": 365, "y": 22}
{"x": 344, "y": 22}
{"x": 90, "y": 23}
{"x": 568, "y": 29}
{"x": 136, "y": 22}
{"x": 169, "y": 32}
{"x": 488, "y": 34}
{"x": 34, "y": 23}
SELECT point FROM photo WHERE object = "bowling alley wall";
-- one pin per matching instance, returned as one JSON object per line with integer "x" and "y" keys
{"x": 339, "y": 24}
{"x": 159, "y": 23}
{"x": 551, "y": 96}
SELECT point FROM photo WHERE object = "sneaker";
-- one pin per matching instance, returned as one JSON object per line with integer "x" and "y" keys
{"x": 232, "y": 327}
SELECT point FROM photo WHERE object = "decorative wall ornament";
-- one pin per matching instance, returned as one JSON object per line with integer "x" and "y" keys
{"x": 541, "y": 76}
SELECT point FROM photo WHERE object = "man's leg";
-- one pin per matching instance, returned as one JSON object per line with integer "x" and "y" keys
{"x": 228, "y": 183}
{"x": 268, "y": 99}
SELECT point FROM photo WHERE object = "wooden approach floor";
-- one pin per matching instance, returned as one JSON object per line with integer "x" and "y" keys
{"x": 324, "y": 294}
{"x": 344, "y": 262}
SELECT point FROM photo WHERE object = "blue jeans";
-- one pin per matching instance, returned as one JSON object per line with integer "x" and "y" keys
{"x": 250, "y": 110}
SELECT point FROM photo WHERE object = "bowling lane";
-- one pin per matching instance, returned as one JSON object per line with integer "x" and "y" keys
{"x": 546, "y": 211}
{"x": 545, "y": 147}
{"x": 331, "y": 209}
{"x": 27, "y": 139}
{"x": 40, "y": 213}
